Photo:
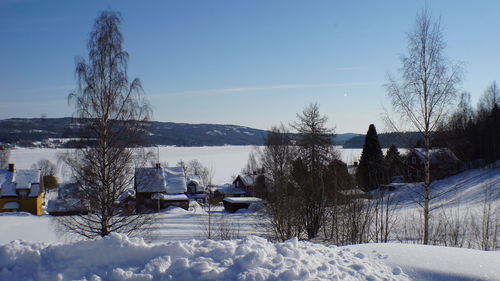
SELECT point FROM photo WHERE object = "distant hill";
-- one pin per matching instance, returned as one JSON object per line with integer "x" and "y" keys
{"x": 341, "y": 139}
{"x": 58, "y": 132}
{"x": 406, "y": 139}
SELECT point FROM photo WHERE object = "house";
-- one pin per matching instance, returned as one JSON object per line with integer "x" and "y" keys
{"x": 443, "y": 163}
{"x": 196, "y": 190}
{"x": 21, "y": 190}
{"x": 158, "y": 188}
{"x": 68, "y": 201}
{"x": 253, "y": 185}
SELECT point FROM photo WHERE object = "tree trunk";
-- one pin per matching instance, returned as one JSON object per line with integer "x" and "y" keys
{"x": 427, "y": 183}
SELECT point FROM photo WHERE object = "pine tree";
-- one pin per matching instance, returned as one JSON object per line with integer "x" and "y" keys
{"x": 370, "y": 173}
{"x": 393, "y": 162}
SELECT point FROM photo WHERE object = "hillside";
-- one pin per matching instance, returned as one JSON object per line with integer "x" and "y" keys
{"x": 57, "y": 132}
{"x": 406, "y": 139}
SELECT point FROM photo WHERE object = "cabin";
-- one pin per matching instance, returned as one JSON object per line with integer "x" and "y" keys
{"x": 21, "y": 190}
{"x": 158, "y": 188}
{"x": 233, "y": 204}
{"x": 253, "y": 185}
{"x": 68, "y": 201}
{"x": 196, "y": 190}
{"x": 227, "y": 190}
{"x": 443, "y": 163}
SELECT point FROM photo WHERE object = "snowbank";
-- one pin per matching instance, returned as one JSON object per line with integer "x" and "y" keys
{"x": 424, "y": 262}
{"x": 118, "y": 257}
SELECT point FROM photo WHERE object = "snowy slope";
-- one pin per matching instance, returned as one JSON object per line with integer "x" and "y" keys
{"x": 468, "y": 187}
{"x": 423, "y": 262}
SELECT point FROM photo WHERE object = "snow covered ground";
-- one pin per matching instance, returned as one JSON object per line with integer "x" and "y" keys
{"x": 117, "y": 257}
{"x": 423, "y": 262}
{"x": 176, "y": 248}
{"x": 172, "y": 224}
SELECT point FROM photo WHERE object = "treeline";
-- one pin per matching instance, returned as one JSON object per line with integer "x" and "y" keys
{"x": 473, "y": 134}
{"x": 402, "y": 139}
{"x": 309, "y": 191}
{"x": 303, "y": 174}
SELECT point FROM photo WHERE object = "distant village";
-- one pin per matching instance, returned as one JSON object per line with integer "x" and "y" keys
{"x": 157, "y": 188}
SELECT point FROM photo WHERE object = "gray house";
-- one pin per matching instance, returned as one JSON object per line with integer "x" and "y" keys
{"x": 158, "y": 188}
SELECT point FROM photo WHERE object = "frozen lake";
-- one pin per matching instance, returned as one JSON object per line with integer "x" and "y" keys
{"x": 225, "y": 161}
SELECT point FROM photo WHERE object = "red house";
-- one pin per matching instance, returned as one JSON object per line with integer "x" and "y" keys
{"x": 443, "y": 163}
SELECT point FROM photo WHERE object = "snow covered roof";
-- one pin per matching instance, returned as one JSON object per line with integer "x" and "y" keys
{"x": 11, "y": 205}
{"x": 10, "y": 182}
{"x": 65, "y": 205}
{"x": 150, "y": 180}
{"x": 169, "y": 197}
{"x": 436, "y": 154}
{"x": 228, "y": 189}
{"x": 68, "y": 190}
{"x": 248, "y": 180}
{"x": 126, "y": 194}
{"x": 196, "y": 179}
{"x": 176, "y": 180}
{"x": 161, "y": 180}
{"x": 242, "y": 199}
{"x": 24, "y": 178}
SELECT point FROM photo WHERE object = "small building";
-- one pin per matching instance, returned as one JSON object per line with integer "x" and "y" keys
{"x": 220, "y": 192}
{"x": 21, "y": 190}
{"x": 443, "y": 163}
{"x": 196, "y": 190}
{"x": 68, "y": 201}
{"x": 233, "y": 204}
{"x": 155, "y": 188}
{"x": 253, "y": 185}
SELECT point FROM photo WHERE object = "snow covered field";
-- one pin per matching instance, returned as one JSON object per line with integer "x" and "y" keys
{"x": 176, "y": 249}
{"x": 172, "y": 224}
{"x": 226, "y": 161}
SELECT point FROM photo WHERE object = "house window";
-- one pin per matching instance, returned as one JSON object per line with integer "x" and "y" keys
{"x": 414, "y": 160}
{"x": 23, "y": 194}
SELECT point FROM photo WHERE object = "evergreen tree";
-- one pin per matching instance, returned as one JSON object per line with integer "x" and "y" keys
{"x": 370, "y": 173}
{"x": 393, "y": 163}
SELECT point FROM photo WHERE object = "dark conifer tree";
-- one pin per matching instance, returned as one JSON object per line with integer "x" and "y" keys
{"x": 370, "y": 173}
{"x": 393, "y": 163}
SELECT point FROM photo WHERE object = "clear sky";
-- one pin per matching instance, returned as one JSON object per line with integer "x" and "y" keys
{"x": 252, "y": 63}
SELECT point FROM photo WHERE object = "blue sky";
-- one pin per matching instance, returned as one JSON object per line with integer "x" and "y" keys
{"x": 251, "y": 63}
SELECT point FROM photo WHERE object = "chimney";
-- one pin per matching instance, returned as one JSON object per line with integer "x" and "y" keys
{"x": 12, "y": 167}
{"x": 158, "y": 166}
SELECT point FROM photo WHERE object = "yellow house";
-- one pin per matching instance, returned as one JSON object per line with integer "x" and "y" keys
{"x": 21, "y": 190}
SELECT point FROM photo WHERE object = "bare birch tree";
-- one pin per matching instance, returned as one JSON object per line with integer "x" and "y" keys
{"x": 282, "y": 212}
{"x": 110, "y": 110}
{"x": 425, "y": 90}
{"x": 4, "y": 157}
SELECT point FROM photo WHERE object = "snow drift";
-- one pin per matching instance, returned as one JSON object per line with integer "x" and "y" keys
{"x": 117, "y": 257}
